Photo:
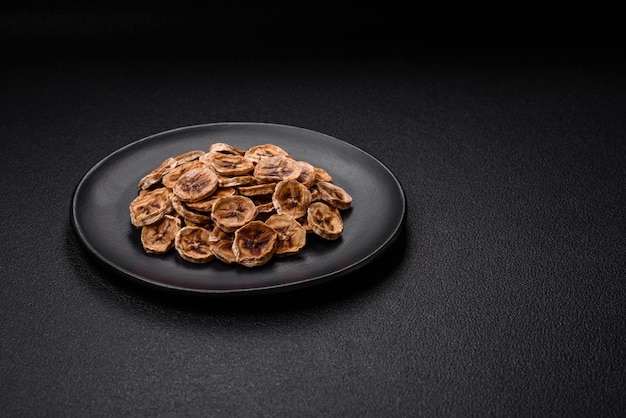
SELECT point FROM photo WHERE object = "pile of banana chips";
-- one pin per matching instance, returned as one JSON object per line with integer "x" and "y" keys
{"x": 237, "y": 206}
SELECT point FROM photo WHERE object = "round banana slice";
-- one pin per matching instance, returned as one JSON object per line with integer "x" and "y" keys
{"x": 228, "y": 164}
{"x": 254, "y": 244}
{"x": 158, "y": 238}
{"x": 291, "y": 235}
{"x": 257, "y": 189}
{"x": 150, "y": 206}
{"x": 196, "y": 184}
{"x": 233, "y": 181}
{"x": 307, "y": 175}
{"x": 192, "y": 244}
{"x": 208, "y": 226}
{"x": 325, "y": 220}
{"x": 189, "y": 215}
{"x": 258, "y": 152}
{"x": 188, "y": 156}
{"x": 174, "y": 174}
{"x": 333, "y": 195}
{"x": 157, "y": 174}
{"x": 206, "y": 205}
{"x": 221, "y": 244}
{"x": 232, "y": 212}
{"x": 225, "y": 148}
{"x": 292, "y": 198}
{"x": 322, "y": 175}
{"x": 267, "y": 207}
{"x": 274, "y": 169}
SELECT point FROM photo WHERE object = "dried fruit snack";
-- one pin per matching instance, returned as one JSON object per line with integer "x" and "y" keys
{"x": 236, "y": 206}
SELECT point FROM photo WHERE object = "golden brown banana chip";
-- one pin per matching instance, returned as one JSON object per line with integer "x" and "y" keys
{"x": 307, "y": 175}
{"x": 333, "y": 195}
{"x": 258, "y": 152}
{"x": 291, "y": 235}
{"x": 232, "y": 212}
{"x": 192, "y": 244}
{"x": 257, "y": 189}
{"x": 203, "y": 206}
{"x": 225, "y": 148}
{"x": 208, "y": 226}
{"x": 325, "y": 220}
{"x": 196, "y": 184}
{"x": 277, "y": 168}
{"x": 188, "y": 156}
{"x": 254, "y": 244}
{"x": 158, "y": 237}
{"x": 189, "y": 215}
{"x": 322, "y": 175}
{"x": 157, "y": 174}
{"x": 228, "y": 164}
{"x": 150, "y": 206}
{"x": 234, "y": 181}
{"x": 221, "y": 244}
{"x": 292, "y": 198}
{"x": 170, "y": 178}
{"x": 267, "y": 207}
{"x": 206, "y": 205}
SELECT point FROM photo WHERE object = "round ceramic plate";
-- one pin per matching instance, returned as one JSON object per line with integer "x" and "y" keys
{"x": 100, "y": 214}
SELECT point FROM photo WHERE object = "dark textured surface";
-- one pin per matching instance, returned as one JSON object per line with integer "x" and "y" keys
{"x": 504, "y": 297}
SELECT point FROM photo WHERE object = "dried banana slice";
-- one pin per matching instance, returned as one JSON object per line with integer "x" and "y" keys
{"x": 228, "y": 164}
{"x": 234, "y": 181}
{"x": 274, "y": 169}
{"x": 221, "y": 244}
{"x": 292, "y": 198}
{"x": 192, "y": 244}
{"x": 196, "y": 184}
{"x": 157, "y": 174}
{"x": 322, "y": 175}
{"x": 258, "y": 152}
{"x": 188, "y": 214}
{"x": 225, "y": 148}
{"x": 257, "y": 189}
{"x": 325, "y": 220}
{"x": 158, "y": 238}
{"x": 206, "y": 205}
{"x": 267, "y": 207}
{"x": 174, "y": 174}
{"x": 188, "y": 156}
{"x": 291, "y": 235}
{"x": 254, "y": 244}
{"x": 333, "y": 195}
{"x": 150, "y": 206}
{"x": 232, "y": 212}
{"x": 307, "y": 175}
{"x": 208, "y": 226}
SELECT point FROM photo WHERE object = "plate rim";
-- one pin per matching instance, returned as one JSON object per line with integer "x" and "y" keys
{"x": 273, "y": 288}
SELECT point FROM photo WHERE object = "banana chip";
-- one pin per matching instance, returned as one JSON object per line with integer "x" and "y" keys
{"x": 292, "y": 198}
{"x": 192, "y": 244}
{"x": 150, "y": 206}
{"x": 254, "y": 244}
{"x": 291, "y": 235}
{"x": 232, "y": 212}
{"x": 196, "y": 184}
{"x": 158, "y": 238}
{"x": 235, "y": 205}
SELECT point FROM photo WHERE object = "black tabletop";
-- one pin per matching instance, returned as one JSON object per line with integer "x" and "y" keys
{"x": 503, "y": 295}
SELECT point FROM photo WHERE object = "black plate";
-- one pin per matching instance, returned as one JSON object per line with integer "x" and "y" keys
{"x": 100, "y": 214}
